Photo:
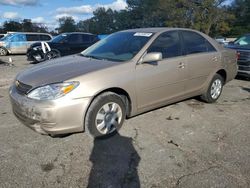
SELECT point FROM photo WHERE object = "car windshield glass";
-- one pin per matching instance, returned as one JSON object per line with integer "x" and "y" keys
{"x": 59, "y": 38}
{"x": 243, "y": 41}
{"x": 121, "y": 46}
{"x": 7, "y": 37}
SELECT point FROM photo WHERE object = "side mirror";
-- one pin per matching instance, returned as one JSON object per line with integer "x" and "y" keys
{"x": 152, "y": 57}
{"x": 231, "y": 43}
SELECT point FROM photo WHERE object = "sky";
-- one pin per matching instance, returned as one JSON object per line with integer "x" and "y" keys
{"x": 49, "y": 11}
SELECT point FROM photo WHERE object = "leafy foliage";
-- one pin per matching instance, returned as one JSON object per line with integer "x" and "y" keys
{"x": 24, "y": 26}
{"x": 212, "y": 17}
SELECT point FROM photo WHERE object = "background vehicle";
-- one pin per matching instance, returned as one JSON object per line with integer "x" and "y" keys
{"x": 62, "y": 45}
{"x": 242, "y": 45}
{"x": 18, "y": 42}
{"x": 125, "y": 74}
{"x": 2, "y": 35}
{"x": 222, "y": 40}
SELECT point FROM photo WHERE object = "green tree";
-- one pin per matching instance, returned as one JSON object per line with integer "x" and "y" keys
{"x": 12, "y": 26}
{"x": 66, "y": 24}
{"x": 241, "y": 24}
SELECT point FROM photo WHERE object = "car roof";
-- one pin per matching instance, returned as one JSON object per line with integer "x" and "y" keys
{"x": 156, "y": 29}
{"x": 28, "y": 33}
{"x": 78, "y": 33}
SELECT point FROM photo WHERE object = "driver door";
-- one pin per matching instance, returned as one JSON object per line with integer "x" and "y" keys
{"x": 18, "y": 44}
{"x": 159, "y": 82}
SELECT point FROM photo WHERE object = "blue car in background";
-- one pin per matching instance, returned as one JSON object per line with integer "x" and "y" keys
{"x": 19, "y": 42}
{"x": 102, "y": 36}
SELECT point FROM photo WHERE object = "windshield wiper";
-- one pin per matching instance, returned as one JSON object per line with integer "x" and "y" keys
{"x": 93, "y": 57}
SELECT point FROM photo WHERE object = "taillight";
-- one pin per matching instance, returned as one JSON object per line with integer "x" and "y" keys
{"x": 238, "y": 55}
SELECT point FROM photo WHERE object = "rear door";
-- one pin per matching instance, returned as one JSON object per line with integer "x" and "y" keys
{"x": 75, "y": 44}
{"x": 88, "y": 40}
{"x": 201, "y": 59}
{"x": 32, "y": 38}
{"x": 158, "y": 82}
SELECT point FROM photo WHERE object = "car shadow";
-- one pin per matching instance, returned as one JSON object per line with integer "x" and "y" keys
{"x": 114, "y": 163}
{"x": 2, "y": 62}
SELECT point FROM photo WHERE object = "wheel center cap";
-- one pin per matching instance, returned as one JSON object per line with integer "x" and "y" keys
{"x": 108, "y": 117}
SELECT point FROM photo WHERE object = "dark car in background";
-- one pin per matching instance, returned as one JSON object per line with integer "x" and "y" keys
{"x": 62, "y": 45}
{"x": 242, "y": 45}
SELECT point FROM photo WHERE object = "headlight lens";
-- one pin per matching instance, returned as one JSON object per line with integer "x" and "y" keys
{"x": 52, "y": 91}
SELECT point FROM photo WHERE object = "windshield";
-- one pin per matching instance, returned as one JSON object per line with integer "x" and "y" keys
{"x": 243, "y": 41}
{"x": 121, "y": 46}
{"x": 59, "y": 38}
{"x": 7, "y": 37}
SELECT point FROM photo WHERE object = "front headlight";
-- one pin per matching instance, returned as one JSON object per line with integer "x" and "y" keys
{"x": 52, "y": 91}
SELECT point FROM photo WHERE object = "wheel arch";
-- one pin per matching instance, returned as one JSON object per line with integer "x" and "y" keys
{"x": 223, "y": 74}
{"x": 119, "y": 91}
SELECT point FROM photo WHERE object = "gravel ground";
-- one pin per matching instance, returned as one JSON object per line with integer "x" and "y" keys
{"x": 187, "y": 144}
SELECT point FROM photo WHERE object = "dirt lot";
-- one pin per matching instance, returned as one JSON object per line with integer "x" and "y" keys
{"x": 188, "y": 144}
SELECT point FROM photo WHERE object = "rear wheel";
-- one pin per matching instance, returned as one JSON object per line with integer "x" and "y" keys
{"x": 105, "y": 115}
{"x": 52, "y": 54}
{"x": 3, "y": 52}
{"x": 214, "y": 90}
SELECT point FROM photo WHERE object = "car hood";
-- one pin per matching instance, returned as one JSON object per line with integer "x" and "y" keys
{"x": 61, "y": 69}
{"x": 237, "y": 47}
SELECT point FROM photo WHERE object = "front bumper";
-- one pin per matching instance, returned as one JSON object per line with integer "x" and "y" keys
{"x": 61, "y": 116}
{"x": 243, "y": 73}
{"x": 35, "y": 55}
{"x": 244, "y": 69}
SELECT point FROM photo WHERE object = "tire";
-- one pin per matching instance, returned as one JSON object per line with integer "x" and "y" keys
{"x": 214, "y": 90}
{"x": 3, "y": 52}
{"x": 52, "y": 55}
{"x": 105, "y": 115}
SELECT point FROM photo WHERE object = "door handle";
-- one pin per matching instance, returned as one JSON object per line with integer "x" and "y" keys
{"x": 215, "y": 59}
{"x": 181, "y": 65}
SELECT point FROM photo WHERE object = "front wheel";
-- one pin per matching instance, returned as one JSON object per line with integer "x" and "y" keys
{"x": 105, "y": 115}
{"x": 214, "y": 90}
{"x": 3, "y": 52}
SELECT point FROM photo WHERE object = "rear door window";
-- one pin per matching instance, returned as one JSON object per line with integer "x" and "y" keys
{"x": 195, "y": 43}
{"x": 75, "y": 39}
{"x": 32, "y": 37}
{"x": 45, "y": 37}
{"x": 168, "y": 44}
{"x": 86, "y": 38}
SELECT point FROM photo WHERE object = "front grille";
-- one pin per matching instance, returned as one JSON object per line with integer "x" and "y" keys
{"x": 244, "y": 55}
{"x": 22, "y": 88}
{"x": 244, "y": 68}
